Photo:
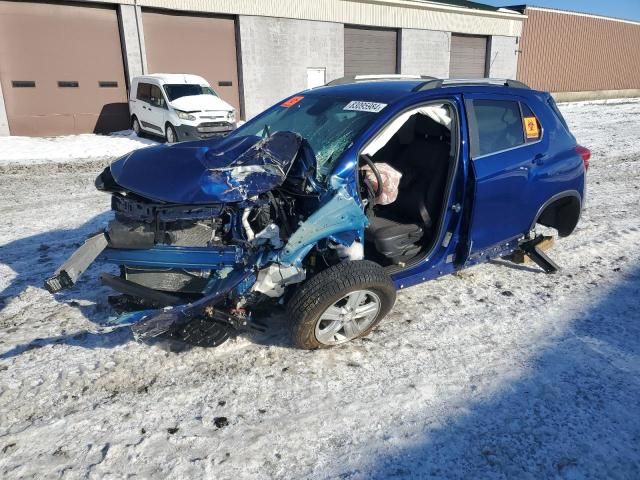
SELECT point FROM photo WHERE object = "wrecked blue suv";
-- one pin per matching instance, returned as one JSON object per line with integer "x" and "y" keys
{"x": 328, "y": 203}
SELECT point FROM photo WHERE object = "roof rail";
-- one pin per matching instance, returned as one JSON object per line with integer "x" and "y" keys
{"x": 447, "y": 82}
{"x": 368, "y": 78}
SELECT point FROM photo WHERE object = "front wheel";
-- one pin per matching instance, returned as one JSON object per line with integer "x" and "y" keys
{"x": 339, "y": 304}
{"x": 170, "y": 134}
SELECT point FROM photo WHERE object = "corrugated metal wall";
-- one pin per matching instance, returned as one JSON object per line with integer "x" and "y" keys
{"x": 563, "y": 52}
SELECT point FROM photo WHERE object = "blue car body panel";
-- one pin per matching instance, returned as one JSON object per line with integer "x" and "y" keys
{"x": 227, "y": 170}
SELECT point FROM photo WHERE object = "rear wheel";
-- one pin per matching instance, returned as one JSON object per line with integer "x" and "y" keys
{"x": 170, "y": 134}
{"x": 339, "y": 304}
{"x": 135, "y": 126}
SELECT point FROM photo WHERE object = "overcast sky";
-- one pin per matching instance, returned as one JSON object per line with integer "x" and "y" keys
{"x": 629, "y": 9}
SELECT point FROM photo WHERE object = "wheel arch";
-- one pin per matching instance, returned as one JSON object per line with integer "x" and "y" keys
{"x": 562, "y": 212}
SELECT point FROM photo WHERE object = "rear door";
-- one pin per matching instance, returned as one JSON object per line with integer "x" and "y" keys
{"x": 504, "y": 157}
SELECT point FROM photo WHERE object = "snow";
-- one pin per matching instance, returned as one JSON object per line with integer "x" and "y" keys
{"x": 71, "y": 148}
{"x": 499, "y": 371}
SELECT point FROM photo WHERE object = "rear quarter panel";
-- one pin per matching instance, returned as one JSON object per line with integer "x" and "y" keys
{"x": 562, "y": 169}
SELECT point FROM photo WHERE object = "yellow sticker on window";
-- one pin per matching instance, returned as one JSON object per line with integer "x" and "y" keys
{"x": 531, "y": 127}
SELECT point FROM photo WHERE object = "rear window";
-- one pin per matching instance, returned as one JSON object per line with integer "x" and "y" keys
{"x": 498, "y": 126}
{"x": 144, "y": 92}
{"x": 556, "y": 110}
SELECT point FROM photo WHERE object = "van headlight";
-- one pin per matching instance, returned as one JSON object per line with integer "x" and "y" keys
{"x": 231, "y": 116}
{"x": 185, "y": 116}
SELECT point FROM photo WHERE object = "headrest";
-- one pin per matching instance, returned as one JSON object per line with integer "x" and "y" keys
{"x": 406, "y": 133}
{"x": 427, "y": 127}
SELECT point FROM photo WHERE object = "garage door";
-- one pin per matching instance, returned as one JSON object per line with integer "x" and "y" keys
{"x": 468, "y": 56}
{"x": 200, "y": 45}
{"x": 369, "y": 51}
{"x": 61, "y": 69}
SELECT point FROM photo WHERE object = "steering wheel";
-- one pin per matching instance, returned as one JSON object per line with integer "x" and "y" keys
{"x": 376, "y": 173}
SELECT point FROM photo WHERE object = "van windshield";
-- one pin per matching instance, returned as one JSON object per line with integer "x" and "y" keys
{"x": 186, "y": 90}
{"x": 329, "y": 124}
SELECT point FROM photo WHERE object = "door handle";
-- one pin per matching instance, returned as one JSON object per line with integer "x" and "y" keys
{"x": 539, "y": 159}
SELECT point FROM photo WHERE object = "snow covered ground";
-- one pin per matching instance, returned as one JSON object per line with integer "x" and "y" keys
{"x": 496, "y": 372}
{"x": 69, "y": 149}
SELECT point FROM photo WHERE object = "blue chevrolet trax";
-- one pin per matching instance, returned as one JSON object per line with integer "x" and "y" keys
{"x": 330, "y": 202}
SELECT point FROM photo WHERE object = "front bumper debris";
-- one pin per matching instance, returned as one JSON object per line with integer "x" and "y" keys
{"x": 68, "y": 273}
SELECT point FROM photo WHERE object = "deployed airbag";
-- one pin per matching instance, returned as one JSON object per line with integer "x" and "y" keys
{"x": 390, "y": 182}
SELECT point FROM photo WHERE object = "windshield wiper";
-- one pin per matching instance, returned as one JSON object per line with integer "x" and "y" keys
{"x": 266, "y": 132}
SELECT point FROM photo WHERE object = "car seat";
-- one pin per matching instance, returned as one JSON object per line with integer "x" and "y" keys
{"x": 398, "y": 230}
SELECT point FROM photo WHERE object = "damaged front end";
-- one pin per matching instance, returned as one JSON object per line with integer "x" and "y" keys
{"x": 204, "y": 232}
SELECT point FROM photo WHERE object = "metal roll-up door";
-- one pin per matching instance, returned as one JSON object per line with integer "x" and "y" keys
{"x": 197, "y": 44}
{"x": 468, "y": 56}
{"x": 61, "y": 68}
{"x": 369, "y": 51}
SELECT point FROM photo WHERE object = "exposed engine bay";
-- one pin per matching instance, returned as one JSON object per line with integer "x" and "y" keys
{"x": 217, "y": 237}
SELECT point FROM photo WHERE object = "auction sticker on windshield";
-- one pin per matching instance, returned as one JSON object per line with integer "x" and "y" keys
{"x": 292, "y": 101}
{"x": 360, "y": 106}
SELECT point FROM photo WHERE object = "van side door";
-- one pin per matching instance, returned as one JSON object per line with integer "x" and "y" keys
{"x": 151, "y": 117}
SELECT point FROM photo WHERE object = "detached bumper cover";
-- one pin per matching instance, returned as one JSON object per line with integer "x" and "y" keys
{"x": 67, "y": 275}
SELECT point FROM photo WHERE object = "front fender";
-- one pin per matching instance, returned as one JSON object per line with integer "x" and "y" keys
{"x": 341, "y": 214}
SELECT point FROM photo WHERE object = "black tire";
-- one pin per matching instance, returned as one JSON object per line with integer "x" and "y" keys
{"x": 323, "y": 290}
{"x": 134, "y": 121}
{"x": 170, "y": 131}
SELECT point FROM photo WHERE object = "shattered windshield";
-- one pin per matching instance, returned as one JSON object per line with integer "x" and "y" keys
{"x": 329, "y": 124}
{"x": 186, "y": 90}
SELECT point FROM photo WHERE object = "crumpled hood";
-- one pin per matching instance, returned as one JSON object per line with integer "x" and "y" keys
{"x": 227, "y": 170}
{"x": 194, "y": 103}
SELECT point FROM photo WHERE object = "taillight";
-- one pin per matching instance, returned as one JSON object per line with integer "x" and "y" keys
{"x": 585, "y": 153}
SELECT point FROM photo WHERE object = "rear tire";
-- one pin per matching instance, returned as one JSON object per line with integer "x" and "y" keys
{"x": 170, "y": 134}
{"x": 339, "y": 304}
{"x": 135, "y": 126}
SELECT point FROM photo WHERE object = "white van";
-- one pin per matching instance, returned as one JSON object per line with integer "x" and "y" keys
{"x": 178, "y": 107}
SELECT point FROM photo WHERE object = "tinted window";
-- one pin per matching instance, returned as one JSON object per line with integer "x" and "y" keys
{"x": 556, "y": 110}
{"x": 144, "y": 92}
{"x": 498, "y": 126}
{"x": 186, "y": 90}
{"x": 156, "y": 97}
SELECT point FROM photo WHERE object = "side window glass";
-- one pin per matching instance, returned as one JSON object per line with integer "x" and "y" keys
{"x": 156, "y": 98}
{"x": 144, "y": 92}
{"x": 498, "y": 124}
{"x": 531, "y": 124}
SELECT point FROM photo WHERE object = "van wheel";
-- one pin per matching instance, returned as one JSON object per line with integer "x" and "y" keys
{"x": 135, "y": 126}
{"x": 170, "y": 134}
{"x": 339, "y": 304}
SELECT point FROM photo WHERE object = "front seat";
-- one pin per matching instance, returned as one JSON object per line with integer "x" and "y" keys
{"x": 398, "y": 229}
